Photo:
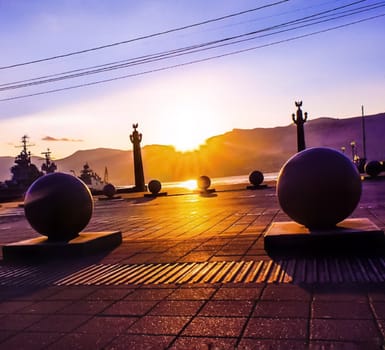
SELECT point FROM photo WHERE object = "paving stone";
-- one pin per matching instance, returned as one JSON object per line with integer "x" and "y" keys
{"x": 177, "y": 307}
{"x": 9, "y": 307}
{"x": 341, "y": 310}
{"x": 230, "y": 308}
{"x": 58, "y": 323}
{"x": 204, "y": 343}
{"x": 46, "y": 307}
{"x": 341, "y": 345}
{"x": 166, "y": 325}
{"x": 215, "y": 327}
{"x": 379, "y": 309}
{"x": 71, "y": 293}
{"x": 140, "y": 342}
{"x": 30, "y": 340}
{"x": 82, "y": 341}
{"x": 282, "y": 309}
{"x": 5, "y": 334}
{"x": 285, "y": 292}
{"x": 192, "y": 293}
{"x": 276, "y": 328}
{"x": 129, "y": 308}
{"x": 336, "y": 292}
{"x": 108, "y": 324}
{"x": 17, "y": 322}
{"x": 344, "y": 330}
{"x": 149, "y": 294}
{"x": 110, "y": 293}
{"x": 266, "y": 344}
{"x": 241, "y": 292}
{"x": 86, "y": 307}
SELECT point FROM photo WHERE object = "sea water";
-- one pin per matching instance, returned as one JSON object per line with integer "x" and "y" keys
{"x": 219, "y": 181}
{"x": 215, "y": 181}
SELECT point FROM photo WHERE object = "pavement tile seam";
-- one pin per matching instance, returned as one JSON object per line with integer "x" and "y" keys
{"x": 252, "y": 310}
{"x": 376, "y": 319}
{"x": 199, "y": 309}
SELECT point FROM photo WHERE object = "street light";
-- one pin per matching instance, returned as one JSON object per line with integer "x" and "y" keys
{"x": 353, "y": 146}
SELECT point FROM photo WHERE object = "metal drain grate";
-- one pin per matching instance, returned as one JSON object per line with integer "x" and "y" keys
{"x": 327, "y": 270}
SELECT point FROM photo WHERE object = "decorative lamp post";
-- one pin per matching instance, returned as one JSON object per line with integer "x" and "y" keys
{"x": 299, "y": 119}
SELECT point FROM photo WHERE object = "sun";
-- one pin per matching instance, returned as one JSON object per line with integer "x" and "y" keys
{"x": 188, "y": 129}
{"x": 187, "y": 141}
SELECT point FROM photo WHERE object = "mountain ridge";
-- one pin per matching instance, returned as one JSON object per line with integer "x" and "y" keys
{"x": 235, "y": 152}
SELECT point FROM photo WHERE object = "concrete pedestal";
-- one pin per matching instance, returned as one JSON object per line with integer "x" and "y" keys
{"x": 358, "y": 235}
{"x": 256, "y": 187}
{"x": 154, "y": 195}
{"x": 41, "y": 249}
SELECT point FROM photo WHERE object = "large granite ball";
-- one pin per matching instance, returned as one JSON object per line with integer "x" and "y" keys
{"x": 256, "y": 177}
{"x": 318, "y": 187}
{"x": 373, "y": 168}
{"x": 154, "y": 186}
{"x": 109, "y": 190}
{"x": 58, "y": 206}
{"x": 203, "y": 182}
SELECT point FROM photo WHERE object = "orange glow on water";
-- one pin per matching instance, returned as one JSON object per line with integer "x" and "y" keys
{"x": 189, "y": 184}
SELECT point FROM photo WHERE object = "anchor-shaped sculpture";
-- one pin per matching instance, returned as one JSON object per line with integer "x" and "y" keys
{"x": 299, "y": 119}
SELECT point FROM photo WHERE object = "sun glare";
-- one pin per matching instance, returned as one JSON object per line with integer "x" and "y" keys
{"x": 189, "y": 184}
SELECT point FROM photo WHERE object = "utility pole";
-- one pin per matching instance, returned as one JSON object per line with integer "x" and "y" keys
{"x": 363, "y": 132}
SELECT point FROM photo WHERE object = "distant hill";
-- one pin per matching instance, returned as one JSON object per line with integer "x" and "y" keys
{"x": 237, "y": 152}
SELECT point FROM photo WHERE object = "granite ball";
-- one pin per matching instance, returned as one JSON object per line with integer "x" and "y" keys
{"x": 58, "y": 206}
{"x": 319, "y": 187}
{"x": 373, "y": 168}
{"x": 154, "y": 186}
{"x": 256, "y": 178}
{"x": 109, "y": 190}
{"x": 203, "y": 182}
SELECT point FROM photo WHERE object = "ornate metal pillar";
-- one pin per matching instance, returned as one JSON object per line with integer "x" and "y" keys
{"x": 300, "y": 120}
{"x": 136, "y": 138}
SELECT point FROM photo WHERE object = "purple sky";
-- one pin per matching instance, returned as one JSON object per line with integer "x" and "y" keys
{"x": 334, "y": 72}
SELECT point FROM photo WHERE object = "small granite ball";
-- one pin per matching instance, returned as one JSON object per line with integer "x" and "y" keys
{"x": 373, "y": 168}
{"x": 203, "y": 182}
{"x": 319, "y": 187}
{"x": 154, "y": 186}
{"x": 256, "y": 177}
{"x": 58, "y": 206}
{"x": 109, "y": 190}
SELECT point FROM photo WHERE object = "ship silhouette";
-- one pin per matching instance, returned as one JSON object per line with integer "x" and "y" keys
{"x": 24, "y": 173}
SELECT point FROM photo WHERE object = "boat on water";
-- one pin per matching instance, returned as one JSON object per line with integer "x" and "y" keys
{"x": 94, "y": 182}
{"x": 24, "y": 173}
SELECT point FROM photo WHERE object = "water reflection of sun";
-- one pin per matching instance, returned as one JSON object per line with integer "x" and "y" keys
{"x": 189, "y": 184}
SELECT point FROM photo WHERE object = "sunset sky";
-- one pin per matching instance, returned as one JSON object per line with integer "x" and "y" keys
{"x": 184, "y": 70}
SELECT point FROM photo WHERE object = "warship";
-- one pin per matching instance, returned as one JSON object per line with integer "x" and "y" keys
{"x": 94, "y": 182}
{"x": 24, "y": 173}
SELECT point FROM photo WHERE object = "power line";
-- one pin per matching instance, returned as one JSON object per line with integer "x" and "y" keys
{"x": 144, "y": 36}
{"x": 322, "y": 17}
{"x": 196, "y": 61}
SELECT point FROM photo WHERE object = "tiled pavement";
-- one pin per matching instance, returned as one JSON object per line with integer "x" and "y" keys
{"x": 192, "y": 273}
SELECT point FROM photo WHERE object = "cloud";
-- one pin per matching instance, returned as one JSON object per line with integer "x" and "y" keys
{"x": 65, "y": 139}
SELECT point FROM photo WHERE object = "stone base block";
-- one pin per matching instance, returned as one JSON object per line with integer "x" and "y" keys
{"x": 256, "y": 187}
{"x": 154, "y": 195}
{"x": 114, "y": 198}
{"x": 358, "y": 235}
{"x": 40, "y": 248}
